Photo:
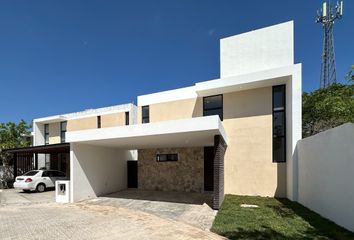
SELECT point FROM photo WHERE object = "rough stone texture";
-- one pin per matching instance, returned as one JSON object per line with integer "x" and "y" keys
{"x": 184, "y": 175}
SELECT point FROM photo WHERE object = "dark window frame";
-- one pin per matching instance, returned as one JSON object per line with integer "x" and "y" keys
{"x": 63, "y": 132}
{"x": 216, "y": 108}
{"x": 99, "y": 124}
{"x": 46, "y": 134}
{"x": 170, "y": 157}
{"x": 279, "y": 110}
{"x": 145, "y": 119}
{"x": 126, "y": 118}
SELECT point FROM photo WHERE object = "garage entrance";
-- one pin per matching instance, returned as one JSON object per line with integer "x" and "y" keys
{"x": 191, "y": 208}
{"x": 26, "y": 159}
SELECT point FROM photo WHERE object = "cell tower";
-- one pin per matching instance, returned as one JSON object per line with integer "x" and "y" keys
{"x": 326, "y": 16}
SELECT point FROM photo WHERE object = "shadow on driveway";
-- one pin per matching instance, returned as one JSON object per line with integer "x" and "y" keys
{"x": 191, "y": 208}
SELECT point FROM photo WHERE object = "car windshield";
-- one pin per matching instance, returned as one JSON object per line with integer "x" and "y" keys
{"x": 30, "y": 173}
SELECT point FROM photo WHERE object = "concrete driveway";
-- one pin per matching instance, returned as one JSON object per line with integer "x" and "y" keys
{"x": 12, "y": 196}
{"x": 190, "y": 208}
{"x": 34, "y": 217}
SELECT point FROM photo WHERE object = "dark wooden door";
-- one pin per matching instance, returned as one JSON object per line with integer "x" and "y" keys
{"x": 132, "y": 174}
{"x": 208, "y": 168}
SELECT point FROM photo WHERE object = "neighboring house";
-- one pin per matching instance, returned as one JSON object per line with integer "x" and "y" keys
{"x": 232, "y": 135}
{"x": 51, "y": 149}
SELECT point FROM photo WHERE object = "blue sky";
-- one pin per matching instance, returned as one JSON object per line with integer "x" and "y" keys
{"x": 66, "y": 56}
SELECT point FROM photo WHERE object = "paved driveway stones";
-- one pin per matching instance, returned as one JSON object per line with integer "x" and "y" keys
{"x": 44, "y": 219}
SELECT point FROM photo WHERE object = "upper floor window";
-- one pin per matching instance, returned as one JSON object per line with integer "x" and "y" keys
{"x": 145, "y": 113}
{"x": 279, "y": 124}
{"x": 213, "y": 105}
{"x": 126, "y": 118}
{"x": 63, "y": 131}
{"x": 98, "y": 121}
{"x": 46, "y": 134}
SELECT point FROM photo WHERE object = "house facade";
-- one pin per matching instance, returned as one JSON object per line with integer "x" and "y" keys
{"x": 232, "y": 135}
{"x": 51, "y": 131}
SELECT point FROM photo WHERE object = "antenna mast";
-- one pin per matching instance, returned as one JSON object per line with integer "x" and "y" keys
{"x": 326, "y": 16}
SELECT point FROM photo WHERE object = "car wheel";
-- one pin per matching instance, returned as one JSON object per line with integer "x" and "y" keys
{"x": 40, "y": 187}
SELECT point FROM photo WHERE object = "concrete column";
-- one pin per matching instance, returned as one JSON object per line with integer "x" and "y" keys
{"x": 15, "y": 165}
{"x": 36, "y": 161}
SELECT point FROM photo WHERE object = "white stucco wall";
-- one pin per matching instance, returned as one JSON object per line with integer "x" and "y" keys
{"x": 96, "y": 170}
{"x": 326, "y": 174}
{"x": 262, "y": 49}
{"x": 293, "y": 128}
{"x": 38, "y": 136}
{"x": 38, "y": 139}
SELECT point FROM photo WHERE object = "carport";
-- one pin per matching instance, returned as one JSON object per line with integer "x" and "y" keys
{"x": 26, "y": 158}
{"x": 99, "y": 156}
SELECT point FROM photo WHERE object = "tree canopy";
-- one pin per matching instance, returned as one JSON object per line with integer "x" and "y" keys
{"x": 350, "y": 75}
{"x": 326, "y": 108}
{"x": 13, "y": 135}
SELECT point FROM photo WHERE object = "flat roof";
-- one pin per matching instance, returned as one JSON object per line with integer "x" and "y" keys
{"x": 248, "y": 81}
{"x": 86, "y": 113}
{"x": 190, "y": 132}
{"x": 235, "y": 83}
{"x": 50, "y": 148}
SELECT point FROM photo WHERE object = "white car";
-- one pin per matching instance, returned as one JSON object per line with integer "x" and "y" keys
{"x": 38, "y": 180}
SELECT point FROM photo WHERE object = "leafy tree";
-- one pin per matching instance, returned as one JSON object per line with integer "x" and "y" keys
{"x": 350, "y": 75}
{"x": 326, "y": 108}
{"x": 13, "y": 135}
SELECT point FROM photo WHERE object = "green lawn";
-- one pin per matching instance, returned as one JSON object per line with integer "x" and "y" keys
{"x": 274, "y": 219}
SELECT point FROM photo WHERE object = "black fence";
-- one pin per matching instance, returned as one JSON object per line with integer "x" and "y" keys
{"x": 23, "y": 162}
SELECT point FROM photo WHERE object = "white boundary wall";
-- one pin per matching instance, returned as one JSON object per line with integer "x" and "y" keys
{"x": 326, "y": 174}
{"x": 97, "y": 170}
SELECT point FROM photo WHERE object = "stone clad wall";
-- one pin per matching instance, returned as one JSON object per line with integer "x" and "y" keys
{"x": 184, "y": 175}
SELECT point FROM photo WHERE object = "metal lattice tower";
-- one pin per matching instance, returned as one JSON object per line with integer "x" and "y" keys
{"x": 326, "y": 16}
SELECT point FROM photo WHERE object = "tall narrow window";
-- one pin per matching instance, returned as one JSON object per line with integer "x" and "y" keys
{"x": 98, "y": 121}
{"x": 126, "y": 118}
{"x": 213, "y": 105}
{"x": 63, "y": 131}
{"x": 279, "y": 124}
{"x": 145, "y": 113}
{"x": 46, "y": 134}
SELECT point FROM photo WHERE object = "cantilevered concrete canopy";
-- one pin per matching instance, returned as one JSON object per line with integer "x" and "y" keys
{"x": 176, "y": 133}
